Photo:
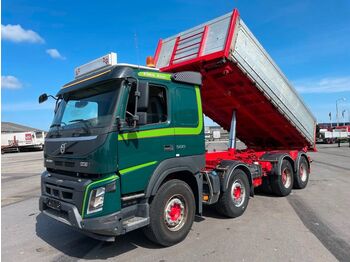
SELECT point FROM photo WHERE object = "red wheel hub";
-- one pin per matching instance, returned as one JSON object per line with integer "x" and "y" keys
{"x": 237, "y": 192}
{"x": 175, "y": 212}
{"x": 284, "y": 177}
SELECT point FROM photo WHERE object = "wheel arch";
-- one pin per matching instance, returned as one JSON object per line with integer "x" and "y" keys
{"x": 277, "y": 159}
{"x": 186, "y": 169}
{"x": 231, "y": 166}
{"x": 290, "y": 160}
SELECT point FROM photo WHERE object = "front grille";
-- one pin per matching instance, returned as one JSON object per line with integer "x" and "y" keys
{"x": 58, "y": 163}
{"x": 60, "y": 192}
{"x": 64, "y": 188}
{"x": 73, "y": 174}
{"x": 69, "y": 164}
{"x": 64, "y": 163}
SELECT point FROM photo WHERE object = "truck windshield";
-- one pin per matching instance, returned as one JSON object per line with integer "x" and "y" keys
{"x": 87, "y": 109}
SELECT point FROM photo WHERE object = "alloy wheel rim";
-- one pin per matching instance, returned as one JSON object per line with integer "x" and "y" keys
{"x": 175, "y": 213}
{"x": 303, "y": 172}
{"x": 238, "y": 193}
{"x": 286, "y": 177}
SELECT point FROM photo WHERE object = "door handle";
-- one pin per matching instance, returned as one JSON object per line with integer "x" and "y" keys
{"x": 168, "y": 148}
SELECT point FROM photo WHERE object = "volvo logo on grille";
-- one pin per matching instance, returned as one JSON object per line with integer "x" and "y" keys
{"x": 63, "y": 148}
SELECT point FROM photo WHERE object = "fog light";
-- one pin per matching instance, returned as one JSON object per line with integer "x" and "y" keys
{"x": 97, "y": 196}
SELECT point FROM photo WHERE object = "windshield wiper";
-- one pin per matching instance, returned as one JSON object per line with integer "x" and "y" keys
{"x": 58, "y": 124}
{"x": 85, "y": 122}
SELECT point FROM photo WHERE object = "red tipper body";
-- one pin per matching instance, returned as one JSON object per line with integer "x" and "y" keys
{"x": 238, "y": 75}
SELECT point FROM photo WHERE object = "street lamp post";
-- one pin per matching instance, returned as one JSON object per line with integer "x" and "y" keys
{"x": 347, "y": 110}
{"x": 336, "y": 107}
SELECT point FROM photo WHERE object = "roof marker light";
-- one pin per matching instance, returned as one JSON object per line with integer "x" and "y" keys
{"x": 99, "y": 63}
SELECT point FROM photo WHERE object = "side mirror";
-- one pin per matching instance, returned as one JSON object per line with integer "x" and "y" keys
{"x": 143, "y": 100}
{"x": 43, "y": 98}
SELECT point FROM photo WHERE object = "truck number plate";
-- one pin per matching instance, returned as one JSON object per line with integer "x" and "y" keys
{"x": 54, "y": 204}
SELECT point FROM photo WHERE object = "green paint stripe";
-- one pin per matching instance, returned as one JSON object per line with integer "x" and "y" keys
{"x": 133, "y": 168}
{"x": 169, "y": 131}
{"x": 161, "y": 76}
{"x": 90, "y": 185}
{"x": 147, "y": 133}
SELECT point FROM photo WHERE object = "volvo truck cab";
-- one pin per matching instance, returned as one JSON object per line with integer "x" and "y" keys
{"x": 118, "y": 131}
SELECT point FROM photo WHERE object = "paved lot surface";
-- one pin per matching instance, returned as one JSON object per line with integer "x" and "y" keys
{"x": 309, "y": 225}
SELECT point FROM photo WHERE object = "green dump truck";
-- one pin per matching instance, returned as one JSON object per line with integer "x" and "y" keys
{"x": 126, "y": 147}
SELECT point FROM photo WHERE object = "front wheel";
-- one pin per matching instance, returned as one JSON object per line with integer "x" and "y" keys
{"x": 234, "y": 201}
{"x": 172, "y": 213}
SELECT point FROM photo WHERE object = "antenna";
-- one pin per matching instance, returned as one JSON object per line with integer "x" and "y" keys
{"x": 137, "y": 50}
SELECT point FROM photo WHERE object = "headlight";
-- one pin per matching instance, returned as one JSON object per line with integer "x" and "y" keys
{"x": 97, "y": 196}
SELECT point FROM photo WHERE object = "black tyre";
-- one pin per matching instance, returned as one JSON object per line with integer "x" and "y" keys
{"x": 301, "y": 176}
{"x": 172, "y": 212}
{"x": 234, "y": 201}
{"x": 265, "y": 187}
{"x": 282, "y": 184}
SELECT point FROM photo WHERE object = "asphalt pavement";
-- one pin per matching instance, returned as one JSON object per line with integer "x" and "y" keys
{"x": 309, "y": 225}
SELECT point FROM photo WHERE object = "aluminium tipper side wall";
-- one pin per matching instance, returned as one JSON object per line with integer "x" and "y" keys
{"x": 262, "y": 70}
{"x": 193, "y": 48}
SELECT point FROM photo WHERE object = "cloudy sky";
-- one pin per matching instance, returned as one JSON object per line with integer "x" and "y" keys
{"x": 43, "y": 41}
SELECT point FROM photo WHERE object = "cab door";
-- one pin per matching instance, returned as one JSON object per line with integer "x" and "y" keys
{"x": 188, "y": 121}
{"x": 140, "y": 150}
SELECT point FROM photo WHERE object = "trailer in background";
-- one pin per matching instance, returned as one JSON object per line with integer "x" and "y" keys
{"x": 22, "y": 141}
{"x": 331, "y": 136}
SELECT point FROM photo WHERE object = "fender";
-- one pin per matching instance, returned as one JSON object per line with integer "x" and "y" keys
{"x": 191, "y": 164}
{"x": 277, "y": 158}
{"x": 228, "y": 166}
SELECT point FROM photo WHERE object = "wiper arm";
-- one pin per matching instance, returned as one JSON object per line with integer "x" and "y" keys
{"x": 77, "y": 120}
{"x": 58, "y": 124}
{"x": 84, "y": 121}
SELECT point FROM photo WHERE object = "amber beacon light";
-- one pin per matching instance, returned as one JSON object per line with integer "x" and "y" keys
{"x": 150, "y": 61}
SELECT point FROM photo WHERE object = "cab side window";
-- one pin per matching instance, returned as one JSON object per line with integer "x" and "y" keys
{"x": 157, "y": 111}
{"x": 157, "y": 108}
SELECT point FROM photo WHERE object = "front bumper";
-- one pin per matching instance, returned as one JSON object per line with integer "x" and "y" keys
{"x": 104, "y": 228}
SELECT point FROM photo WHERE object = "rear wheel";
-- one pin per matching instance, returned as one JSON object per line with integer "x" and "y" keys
{"x": 172, "y": 212}
{"x": 301, "y": 177}
{"x": 282, "y": 184}
{"x": 234, "y": 201}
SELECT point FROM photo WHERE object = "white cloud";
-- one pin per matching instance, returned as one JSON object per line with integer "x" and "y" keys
{"x": 324, "y": 85}
{"x": 15, "y": 33}
{"x": 10, "y": 82}
{"x": 55, "y": 54}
